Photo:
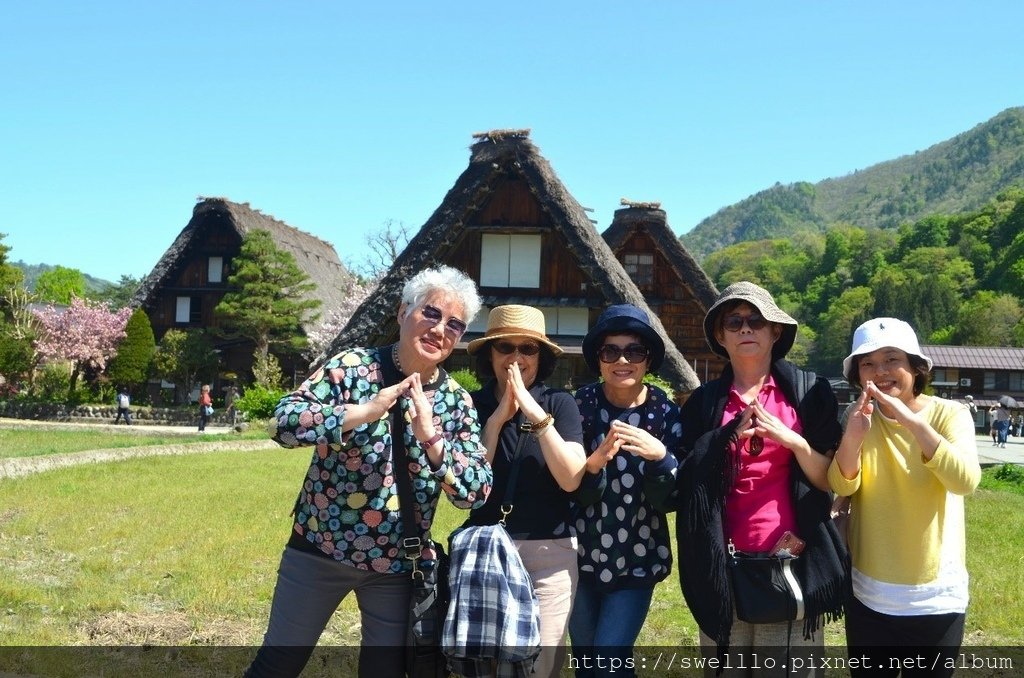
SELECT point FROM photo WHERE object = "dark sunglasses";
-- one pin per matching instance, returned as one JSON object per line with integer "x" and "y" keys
{"x": 755, "y": 445}
{"x": 454, "y": 326}
{"x": 635, "y": 353}
{"x": 734, "y": 323}
{"x": 508, "y": 348}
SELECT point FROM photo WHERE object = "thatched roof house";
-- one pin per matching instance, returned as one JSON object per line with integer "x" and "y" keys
{"x": 669, "y": 277}
{"x": 510, "y": 191}
{"x": 314, "y": 256}
{"x": 191, "y": 277}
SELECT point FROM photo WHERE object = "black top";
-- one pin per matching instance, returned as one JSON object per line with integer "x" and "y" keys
{"x": 542, "y": 510}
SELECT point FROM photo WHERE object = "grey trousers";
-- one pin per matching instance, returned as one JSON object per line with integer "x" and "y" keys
{"x": 308, "y": 591}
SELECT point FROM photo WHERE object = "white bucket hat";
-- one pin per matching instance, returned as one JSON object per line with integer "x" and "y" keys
{"x": 881, "y": 333}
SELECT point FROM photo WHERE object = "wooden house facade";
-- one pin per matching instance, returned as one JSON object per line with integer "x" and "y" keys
{"x": 669, "y": 277}
{"x": 514, "y": 228}
{"x": 190, "y": 279}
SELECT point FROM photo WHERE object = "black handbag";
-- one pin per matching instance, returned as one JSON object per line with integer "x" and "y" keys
{"x": 428, "y": 603}
{"x": 765, "y": 588}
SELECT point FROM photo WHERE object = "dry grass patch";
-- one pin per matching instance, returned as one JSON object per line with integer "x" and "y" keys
{"x": 163, "y": 628}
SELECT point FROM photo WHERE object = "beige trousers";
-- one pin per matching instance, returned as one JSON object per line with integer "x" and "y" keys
{"x": 552, "y": 567}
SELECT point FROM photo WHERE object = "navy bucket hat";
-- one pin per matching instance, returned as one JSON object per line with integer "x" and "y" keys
{"x": 623, "y": 319}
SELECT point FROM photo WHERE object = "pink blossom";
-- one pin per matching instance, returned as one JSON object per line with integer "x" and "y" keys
{"x": 85, "y": 333}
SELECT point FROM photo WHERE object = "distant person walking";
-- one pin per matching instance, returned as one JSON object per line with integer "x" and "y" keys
{"x": 1000, "y": 423}
{"x": 205, "y": 406}
{"x": 123, "y": 403}
{"x": 230, "y": 396}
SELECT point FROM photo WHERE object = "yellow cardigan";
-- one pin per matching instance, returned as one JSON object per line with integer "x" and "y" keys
{"x": 902, "y": 507}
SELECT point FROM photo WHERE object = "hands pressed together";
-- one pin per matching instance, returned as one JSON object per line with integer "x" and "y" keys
{"x": 419, "y": 409}
{"x": 629, "y": 438}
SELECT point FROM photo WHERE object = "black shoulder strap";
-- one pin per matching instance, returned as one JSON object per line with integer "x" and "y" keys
{"x": 513, "y": 472}
{"x": 412, "y": 539}
{"x": 803, "y": 385}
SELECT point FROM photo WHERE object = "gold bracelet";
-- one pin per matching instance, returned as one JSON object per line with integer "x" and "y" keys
{"x": 538, "y": 429}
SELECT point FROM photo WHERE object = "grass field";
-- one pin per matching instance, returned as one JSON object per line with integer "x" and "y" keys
{"x": 183, "y": 551}
{"x": 33, "y": 442}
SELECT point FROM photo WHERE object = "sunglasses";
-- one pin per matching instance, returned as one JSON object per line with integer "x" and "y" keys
{"x": 755, "y": 445}
{"x": 734, "y": 323}
{"x": 433, "y": 315}
{"x": 635, "y": 353}
{"x": 508, "y": 348}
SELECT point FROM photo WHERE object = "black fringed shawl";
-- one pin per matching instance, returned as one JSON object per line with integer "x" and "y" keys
{"x": 705, "y": 477}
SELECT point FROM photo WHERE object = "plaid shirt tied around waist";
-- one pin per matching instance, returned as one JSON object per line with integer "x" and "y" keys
{"x": 493, "y": 622}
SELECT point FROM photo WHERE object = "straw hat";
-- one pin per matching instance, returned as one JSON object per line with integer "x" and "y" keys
{"x": 762, "y": 300}
{"x": 513, "y": 320}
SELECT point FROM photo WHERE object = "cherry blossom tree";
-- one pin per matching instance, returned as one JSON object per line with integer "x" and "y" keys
{"x": 354, "y": 291}
{"x": 85, "y": 333}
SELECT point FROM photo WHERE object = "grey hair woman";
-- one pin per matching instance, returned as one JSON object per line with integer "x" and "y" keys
{"x": 347, "y": 536}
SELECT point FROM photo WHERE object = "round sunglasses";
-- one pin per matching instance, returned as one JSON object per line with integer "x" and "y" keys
{"x": 634, "y": 353}
{"x": 453, "y": 326}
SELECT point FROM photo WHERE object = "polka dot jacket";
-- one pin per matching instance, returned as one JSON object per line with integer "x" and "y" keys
{"x": 348, "y": 508}
{"x": 620, "y": 519}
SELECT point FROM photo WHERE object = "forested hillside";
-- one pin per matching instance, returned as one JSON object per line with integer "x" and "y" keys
{"x": 33, "y": 271}
{"x": 958, "y": 175}
{"x": 957, "y": 278}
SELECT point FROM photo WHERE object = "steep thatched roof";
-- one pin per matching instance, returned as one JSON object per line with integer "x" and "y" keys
{"x": 495, "y": 158}
{"x": 314, "y": 256}
{"x": 650, "y": 217}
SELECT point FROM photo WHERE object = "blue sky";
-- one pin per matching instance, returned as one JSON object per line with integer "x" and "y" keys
{"x": 337, "y": 117}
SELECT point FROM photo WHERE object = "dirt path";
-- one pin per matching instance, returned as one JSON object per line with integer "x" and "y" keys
{"x": 23, "y": 466}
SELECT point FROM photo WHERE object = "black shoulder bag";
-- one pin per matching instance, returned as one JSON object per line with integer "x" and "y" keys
{"x": 428, "y": 603}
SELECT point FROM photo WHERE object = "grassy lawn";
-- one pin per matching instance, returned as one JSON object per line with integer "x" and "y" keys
{"x": 33, "y": 442}
{"x": 184, "y": 550}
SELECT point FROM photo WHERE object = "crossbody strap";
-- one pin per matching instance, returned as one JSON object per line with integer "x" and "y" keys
{"x": 513, "y": 473}
{"x": 412, "y": 538}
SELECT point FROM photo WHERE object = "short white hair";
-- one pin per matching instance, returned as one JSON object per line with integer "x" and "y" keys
{"x": 452, "y": 282}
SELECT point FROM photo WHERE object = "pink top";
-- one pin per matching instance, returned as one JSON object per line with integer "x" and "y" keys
{"x": 760, "y": 507}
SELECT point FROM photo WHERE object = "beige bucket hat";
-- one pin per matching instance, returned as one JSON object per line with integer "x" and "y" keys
{"x": 513, "y": 320}
{"x": 762, "y": 300}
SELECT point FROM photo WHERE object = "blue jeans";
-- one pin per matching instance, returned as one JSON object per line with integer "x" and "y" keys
{"x": 603, "y": 628}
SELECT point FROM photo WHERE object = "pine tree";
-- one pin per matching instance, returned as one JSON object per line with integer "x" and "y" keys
{"x": 270, "y": 298}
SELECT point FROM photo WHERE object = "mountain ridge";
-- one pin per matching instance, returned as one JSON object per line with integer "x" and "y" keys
{"x": 952, "y": 176}
{"x": 32, "y": 272}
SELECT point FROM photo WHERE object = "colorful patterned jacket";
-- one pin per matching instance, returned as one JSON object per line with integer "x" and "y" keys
{"x": 347, "y": 508}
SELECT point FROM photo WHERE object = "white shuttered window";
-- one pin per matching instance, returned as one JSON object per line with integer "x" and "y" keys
{"x": 183, "y": 310}
{"x": 510, "y": 260}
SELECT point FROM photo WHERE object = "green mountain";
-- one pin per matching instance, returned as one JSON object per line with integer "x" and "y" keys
{"x": 951, "y": 177}
{"x": 32, "y": 272}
